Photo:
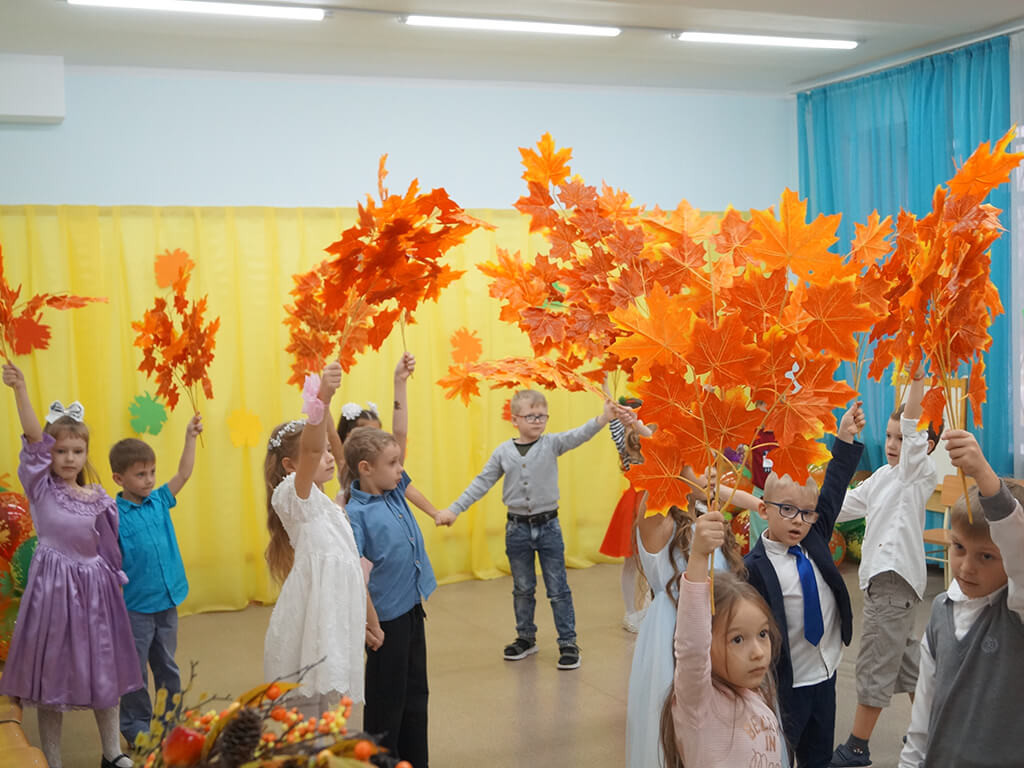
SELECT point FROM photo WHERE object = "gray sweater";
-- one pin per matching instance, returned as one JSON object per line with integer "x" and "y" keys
{"x": 531, "y": 481}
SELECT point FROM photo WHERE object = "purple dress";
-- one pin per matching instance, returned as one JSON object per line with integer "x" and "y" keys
{"x": 72, "y": 646}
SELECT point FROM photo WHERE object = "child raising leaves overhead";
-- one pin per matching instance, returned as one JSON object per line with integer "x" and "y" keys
{"x": 720, "y": 712}
{"x": 72, "y": 646}
{"x": 322, "y": 612}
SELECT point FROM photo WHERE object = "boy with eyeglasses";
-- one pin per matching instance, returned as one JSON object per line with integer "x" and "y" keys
{"x": 792, "y": 567}
{"x": 892, "y": 570}
{"x": 530, "y": 491}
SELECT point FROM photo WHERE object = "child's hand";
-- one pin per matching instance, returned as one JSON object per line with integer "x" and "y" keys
{"x": 853, "y": 421}
{"x": 195, "y": 426}
{"x": 405, "y": 367}
{"x": 965, "y": 453}
{"x": 444, "y": 517}
{"x": 13, "y": 377}
{"x": 374, "y": 637}
{"x": 330, "y": 380}
{"x": 708, "y": 535}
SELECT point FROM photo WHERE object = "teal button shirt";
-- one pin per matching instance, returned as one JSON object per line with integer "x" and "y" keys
{"x": 152, "y": 562}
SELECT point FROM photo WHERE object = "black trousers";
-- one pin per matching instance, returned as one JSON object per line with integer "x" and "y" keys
{"x": 396, "y": 688}
{"x": 809, "y": 721}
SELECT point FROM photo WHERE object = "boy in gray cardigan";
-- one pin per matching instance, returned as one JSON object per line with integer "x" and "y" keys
{"x": 530, "y": 491}
{"x": 968, "y": 695}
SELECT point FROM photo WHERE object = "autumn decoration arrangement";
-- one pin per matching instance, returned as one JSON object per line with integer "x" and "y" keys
{"x": 379, "y": 271}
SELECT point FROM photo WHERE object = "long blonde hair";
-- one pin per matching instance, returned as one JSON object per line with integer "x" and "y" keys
{"x": 729, "y": 591}
{"x": 66, "y": 426}
{"x": 283, "y": 443}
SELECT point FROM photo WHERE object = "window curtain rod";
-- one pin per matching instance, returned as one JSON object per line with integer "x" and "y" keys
{"x": 905, "y": 58}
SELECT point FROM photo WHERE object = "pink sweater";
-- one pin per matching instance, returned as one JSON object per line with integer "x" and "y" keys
{"x": 714, "y": 729}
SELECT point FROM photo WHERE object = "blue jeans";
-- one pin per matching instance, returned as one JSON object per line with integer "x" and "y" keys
{"x": 156, "y": 640}
{"x": 522, "y": 540}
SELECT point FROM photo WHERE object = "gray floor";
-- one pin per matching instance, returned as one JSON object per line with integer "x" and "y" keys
{"x": 485, "y": 711}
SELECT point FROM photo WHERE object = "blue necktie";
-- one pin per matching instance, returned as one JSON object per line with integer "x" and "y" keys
{"x": 814, "y": 627}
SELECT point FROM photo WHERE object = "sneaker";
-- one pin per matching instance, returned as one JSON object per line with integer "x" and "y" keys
{"x": 568, "y": 657}
{"x": 520, "y": 649}
{"x": 846, "y": 756}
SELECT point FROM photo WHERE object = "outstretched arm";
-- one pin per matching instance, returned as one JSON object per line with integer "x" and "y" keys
{"x": 15, "y": 379}
{"x": 188, "y": 456}
{"x": 400, "y": 417}
{"x": 313, "y": 441}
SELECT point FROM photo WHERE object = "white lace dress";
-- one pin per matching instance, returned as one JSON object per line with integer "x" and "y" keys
{"x": 321, "y": 611}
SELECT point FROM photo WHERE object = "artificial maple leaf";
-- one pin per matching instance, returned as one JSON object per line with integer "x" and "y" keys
{"x": 830, "y": 318}
{"x": 933, "y": 406}
{"x": 798, "y": 457}
{"x": 792, "y": 242}
{"x": 460, "y": 383}
{"x": 660, "y": 474}
{"x": 661, "y": 335}
{"x": 870, "y": 243}
{"x": 466, "y": 346}
{"x": 734, "y": 235}
{"x": 168, "y": 266}
{"x": 986, "y": 168}
{"x": 977, "y": 390}
{"x": 665, "y": 397}
{"x": 758, "y": 298}
{"x": 725, "y": 351}
{"x": 728, "y": 421}
{"x": 538, "y": 206}
{"x": 548, "y": 165}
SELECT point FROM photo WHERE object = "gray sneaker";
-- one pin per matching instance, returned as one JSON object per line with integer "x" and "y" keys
{"x": 569, "y": 657}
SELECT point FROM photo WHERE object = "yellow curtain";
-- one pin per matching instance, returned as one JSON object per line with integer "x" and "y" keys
{"x": 245, "y": 258}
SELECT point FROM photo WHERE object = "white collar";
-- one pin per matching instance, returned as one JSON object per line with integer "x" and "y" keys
{"x": 956, "y": 595}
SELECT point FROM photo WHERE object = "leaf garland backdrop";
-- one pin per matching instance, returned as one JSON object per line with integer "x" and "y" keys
{"x": 245, "y": 259}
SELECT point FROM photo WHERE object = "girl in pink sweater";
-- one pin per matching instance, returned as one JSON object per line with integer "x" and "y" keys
{"x": 720, "y": 711}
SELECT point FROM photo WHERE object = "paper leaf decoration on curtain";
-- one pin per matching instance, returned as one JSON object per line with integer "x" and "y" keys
{"x": 148, "y": 415}
{"x": 169, "y": 265}
{"x": 177, "y": 343}
{"x": 5, "y": 481}
{"x": 379, "y": 271}
{"x": 466, "y": 346}
{"x": 21, "y": 325}
{"x": 245, "y": 428}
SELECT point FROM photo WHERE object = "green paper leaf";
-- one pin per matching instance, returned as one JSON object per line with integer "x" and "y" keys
{"x": 21, "y": 561}
{"x": 148, "y": 414}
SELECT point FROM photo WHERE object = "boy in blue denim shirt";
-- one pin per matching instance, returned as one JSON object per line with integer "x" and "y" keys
{"x": 530, "y": 491}
{"x": 156, "y": 575}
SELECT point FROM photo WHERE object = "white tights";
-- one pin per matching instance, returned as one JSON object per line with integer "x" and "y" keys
{"x": 50, "y": 721}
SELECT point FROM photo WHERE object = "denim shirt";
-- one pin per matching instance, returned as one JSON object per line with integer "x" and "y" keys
{"x": 152, "y": 562}
{"x": 388, "y": 536}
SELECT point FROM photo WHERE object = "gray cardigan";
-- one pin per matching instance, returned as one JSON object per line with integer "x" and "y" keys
{"x": 531, "y": 481}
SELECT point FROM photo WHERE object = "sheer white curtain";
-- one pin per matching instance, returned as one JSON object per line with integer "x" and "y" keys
{"x": 1016, "y": 305}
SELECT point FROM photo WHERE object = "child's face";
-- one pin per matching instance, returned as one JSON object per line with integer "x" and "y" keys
{"x": 741, "y": 650}
{"x": 977, "y": 564}
{"x": 137, "y": 481}
{"x": 531, "y": 422}
{"x": 68, "y": 456}
{"x": 784, "y": 530}
{"x": 383, "y": 473}
{"x": 893, "y": 442}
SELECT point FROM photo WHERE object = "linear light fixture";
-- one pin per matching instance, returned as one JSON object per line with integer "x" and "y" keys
{"x": 216, "y": 8}
{"x": 784, "y": 42}
{"x": 508, "y": 25}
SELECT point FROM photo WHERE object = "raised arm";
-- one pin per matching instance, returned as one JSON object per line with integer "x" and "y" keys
{"x": 15, "y": 379}
{"x": 400, "y": 417}
{"x": 313, "y": 441}
{"x": 336, "y": 446}
{"x": 188, "y": 455}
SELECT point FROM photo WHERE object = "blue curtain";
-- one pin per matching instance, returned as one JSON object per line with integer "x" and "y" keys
{"x": 885, "y": 141}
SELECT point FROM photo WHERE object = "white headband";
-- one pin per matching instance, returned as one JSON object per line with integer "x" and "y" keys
{"x": 292, "y": 426}
{"x": 57, "y": 410}
{"x": 351, "y": 411}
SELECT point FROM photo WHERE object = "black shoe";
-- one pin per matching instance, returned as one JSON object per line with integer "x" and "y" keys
{"x": 569, "y": 657}
{"x": 846, "y": 756}
{"x": 520, "y": 649}
{"x": 115, "y": 763}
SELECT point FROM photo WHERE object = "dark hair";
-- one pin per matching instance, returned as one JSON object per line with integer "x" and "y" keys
{"x": 65, "y": 426}
{"x": 933, "y": 434}
{"x": 345, "y": 426}
{"x": 729, "y": 591}
{"x": 128, "y": 452}
{"x": 284, "y": 443}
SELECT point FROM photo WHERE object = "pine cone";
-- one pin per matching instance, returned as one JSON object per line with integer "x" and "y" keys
{"x": 240, "y": 738}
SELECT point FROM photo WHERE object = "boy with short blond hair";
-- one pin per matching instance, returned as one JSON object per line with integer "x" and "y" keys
{"x": 529, "y": 464}
{"x": 968, "y": 694}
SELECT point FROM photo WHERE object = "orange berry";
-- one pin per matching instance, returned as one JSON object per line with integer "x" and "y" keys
{"x": 403, "y": 764}
{"x": 279, "y": 713}
{"x": 363, "y": 750}
{"x": 273, "y": 692}
{"x": 346, "y": 701}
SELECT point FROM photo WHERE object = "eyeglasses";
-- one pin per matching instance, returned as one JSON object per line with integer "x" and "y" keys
{"x": 533, "y": 418}
{"x": 788, "y": 511}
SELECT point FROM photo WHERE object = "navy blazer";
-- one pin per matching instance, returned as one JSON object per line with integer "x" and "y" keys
{"x": 762, "y": 577}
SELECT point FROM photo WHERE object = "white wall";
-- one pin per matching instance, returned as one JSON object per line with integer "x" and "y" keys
{"x": 170, "y": 137}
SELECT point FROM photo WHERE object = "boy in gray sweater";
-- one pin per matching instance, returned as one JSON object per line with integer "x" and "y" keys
{"x": 530, "y": 491}
{"x": 975, "y": 638}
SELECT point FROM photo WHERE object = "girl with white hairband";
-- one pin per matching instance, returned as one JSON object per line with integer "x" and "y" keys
{"x": 72, "y": 646}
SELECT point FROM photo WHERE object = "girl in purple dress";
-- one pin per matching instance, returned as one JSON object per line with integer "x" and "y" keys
{"x": 72, "y": 646}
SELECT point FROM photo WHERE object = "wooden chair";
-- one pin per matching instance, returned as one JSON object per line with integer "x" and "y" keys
{"x": 952, "y": 488}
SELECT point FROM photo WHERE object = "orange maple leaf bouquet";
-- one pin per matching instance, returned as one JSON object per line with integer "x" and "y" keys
{"x": 381, "y": 269}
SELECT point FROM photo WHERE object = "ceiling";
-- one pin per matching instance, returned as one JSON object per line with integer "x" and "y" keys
{"x": 362, "y": 38}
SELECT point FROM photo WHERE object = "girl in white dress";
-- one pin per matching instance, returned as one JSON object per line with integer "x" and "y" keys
{"x": 322, "y": 611}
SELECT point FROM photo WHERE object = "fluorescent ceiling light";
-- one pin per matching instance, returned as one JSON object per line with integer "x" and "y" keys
{"x": 224, "y": 9}
{"x": 503, "y": 25}
{"x": 784, "y": 42}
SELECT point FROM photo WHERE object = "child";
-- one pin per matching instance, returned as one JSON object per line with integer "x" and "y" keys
{"x": 322, "y": 610}
{"x": 892, "y": 570}
{"x": 402, "y": 578}
{"x": 72, "y": 646}
{"x": 530, "y": 466}
{"x": 792, "y": 567}
{"x": 156, "y": 576}
{"x": 968, "y": 697}
{"x": 720, "y": 712}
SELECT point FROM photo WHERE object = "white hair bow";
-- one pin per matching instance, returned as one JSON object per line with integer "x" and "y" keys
{"x": 75, "y": 411}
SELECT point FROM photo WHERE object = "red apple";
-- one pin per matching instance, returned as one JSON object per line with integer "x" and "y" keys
{"x": 183, "y": 748}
